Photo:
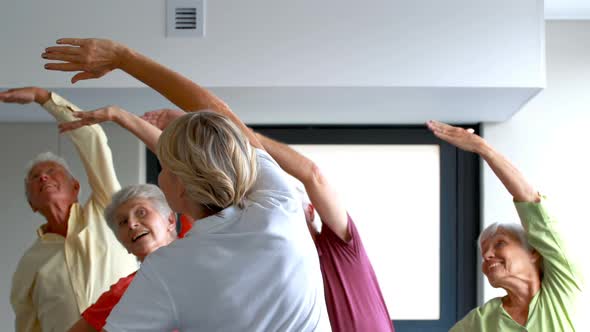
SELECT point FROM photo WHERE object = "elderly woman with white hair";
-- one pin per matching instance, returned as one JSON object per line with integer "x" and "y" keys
{"x": 529, "y": 261}
{"x": 143, "y": 222}
{"x": 249, "y": 260}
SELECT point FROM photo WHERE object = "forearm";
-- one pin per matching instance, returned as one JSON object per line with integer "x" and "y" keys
{"x": 509, "y": 175}
{"x": 60, "y": 108}
{"x": 321, "y": 193}
{"x": 291, "y": 161}
{"x": 180, "y": 90}
{"x": 92, "y": 146}
{"x": 146, "y": 132}
{"x": 183, "y": 92}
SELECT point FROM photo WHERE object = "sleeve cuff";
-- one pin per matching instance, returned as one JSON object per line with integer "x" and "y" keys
{"x": 58, "y": 107}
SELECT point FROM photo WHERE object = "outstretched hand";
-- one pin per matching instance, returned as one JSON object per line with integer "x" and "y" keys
{"x": 20, "y": 96}
{"x": 464, "y": 139}
{"x": 92, "y": 57}
{"x": 162, "y": 117}
{"x": 89, "y": 118}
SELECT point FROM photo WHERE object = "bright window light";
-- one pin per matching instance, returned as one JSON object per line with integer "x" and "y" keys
{"x": 392, "y": 192}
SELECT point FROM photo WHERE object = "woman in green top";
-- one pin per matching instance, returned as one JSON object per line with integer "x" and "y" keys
{"x": 528, "y": 261}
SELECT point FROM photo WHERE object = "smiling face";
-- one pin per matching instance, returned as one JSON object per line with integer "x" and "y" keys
{"x": 505, "y": 258}
{"x": 142, "y": 229}
{"x": 48, "y": 182}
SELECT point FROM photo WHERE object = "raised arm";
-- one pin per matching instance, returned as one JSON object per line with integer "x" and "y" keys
{"x": 543, "y": 231}
{"x": 96, "y": 57}
{"x": 142, "y": 129}
{"x": 321, "y": 193}
{"x": 90, "y": 142}
{"x": 510, "y": 176}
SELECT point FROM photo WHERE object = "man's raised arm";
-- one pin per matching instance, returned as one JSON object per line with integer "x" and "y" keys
{"x": 91, "y": 142}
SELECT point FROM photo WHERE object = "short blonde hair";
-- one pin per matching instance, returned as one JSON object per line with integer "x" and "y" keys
{"x": 211, "y": 156}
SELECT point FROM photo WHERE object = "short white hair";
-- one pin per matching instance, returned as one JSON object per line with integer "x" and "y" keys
{"x": 43, "y": 157}
{"x": 148, "y": 192}
{"x": 512, "y": 228}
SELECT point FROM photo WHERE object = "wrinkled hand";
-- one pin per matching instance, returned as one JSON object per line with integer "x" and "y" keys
{"x": 464, "y": 139}
{"x": 161, "y": 118}
{"x": 89, "y": 118}
{"x": 92, "y": 57}
{"x": 20, "y": 96}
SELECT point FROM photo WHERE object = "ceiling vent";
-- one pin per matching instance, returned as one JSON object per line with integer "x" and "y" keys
{"x": 185, "y": 18}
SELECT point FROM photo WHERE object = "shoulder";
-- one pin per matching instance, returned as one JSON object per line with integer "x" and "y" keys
{"x": 267, "y": 168}
{"x": 32, "y": 258}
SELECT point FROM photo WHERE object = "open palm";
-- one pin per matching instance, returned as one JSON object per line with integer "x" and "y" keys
{"x": 89, "y": 118}
{"x": 464, "y": 139}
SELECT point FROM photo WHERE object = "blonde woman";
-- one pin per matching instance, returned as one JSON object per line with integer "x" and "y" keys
{"x": 249, "y": 259}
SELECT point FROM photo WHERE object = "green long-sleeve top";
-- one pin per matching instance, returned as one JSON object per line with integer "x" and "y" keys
{"x": 553, "y": 307}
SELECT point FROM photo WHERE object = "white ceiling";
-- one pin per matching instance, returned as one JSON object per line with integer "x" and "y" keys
{"x": 567, "y": 9}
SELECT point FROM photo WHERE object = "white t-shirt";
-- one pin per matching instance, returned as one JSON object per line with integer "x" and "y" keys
{"x": 251, "y": 269}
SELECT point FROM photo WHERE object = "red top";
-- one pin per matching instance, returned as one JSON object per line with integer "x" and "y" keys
{"x": 96, "y": 315}
{"x": 353, "y": 296}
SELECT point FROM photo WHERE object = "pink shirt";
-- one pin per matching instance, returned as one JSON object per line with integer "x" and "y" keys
{"x": 353, "y": 296}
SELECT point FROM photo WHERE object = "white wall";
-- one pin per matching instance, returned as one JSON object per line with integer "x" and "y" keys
{"x": 548, "y": 140}
{"x": 262, "y": 43}
{"x": 18, "y": 144}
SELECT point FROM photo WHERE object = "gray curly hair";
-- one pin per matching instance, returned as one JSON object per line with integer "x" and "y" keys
{"x": 148, "y": 192}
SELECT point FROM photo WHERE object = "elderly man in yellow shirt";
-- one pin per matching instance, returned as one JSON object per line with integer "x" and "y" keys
{"x": 76, "y": 257}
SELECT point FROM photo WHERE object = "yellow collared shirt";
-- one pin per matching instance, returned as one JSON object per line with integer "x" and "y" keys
{"x": 58, "y": 278}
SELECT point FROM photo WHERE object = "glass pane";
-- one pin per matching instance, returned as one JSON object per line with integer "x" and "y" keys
{"x": 392, "y": 192}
